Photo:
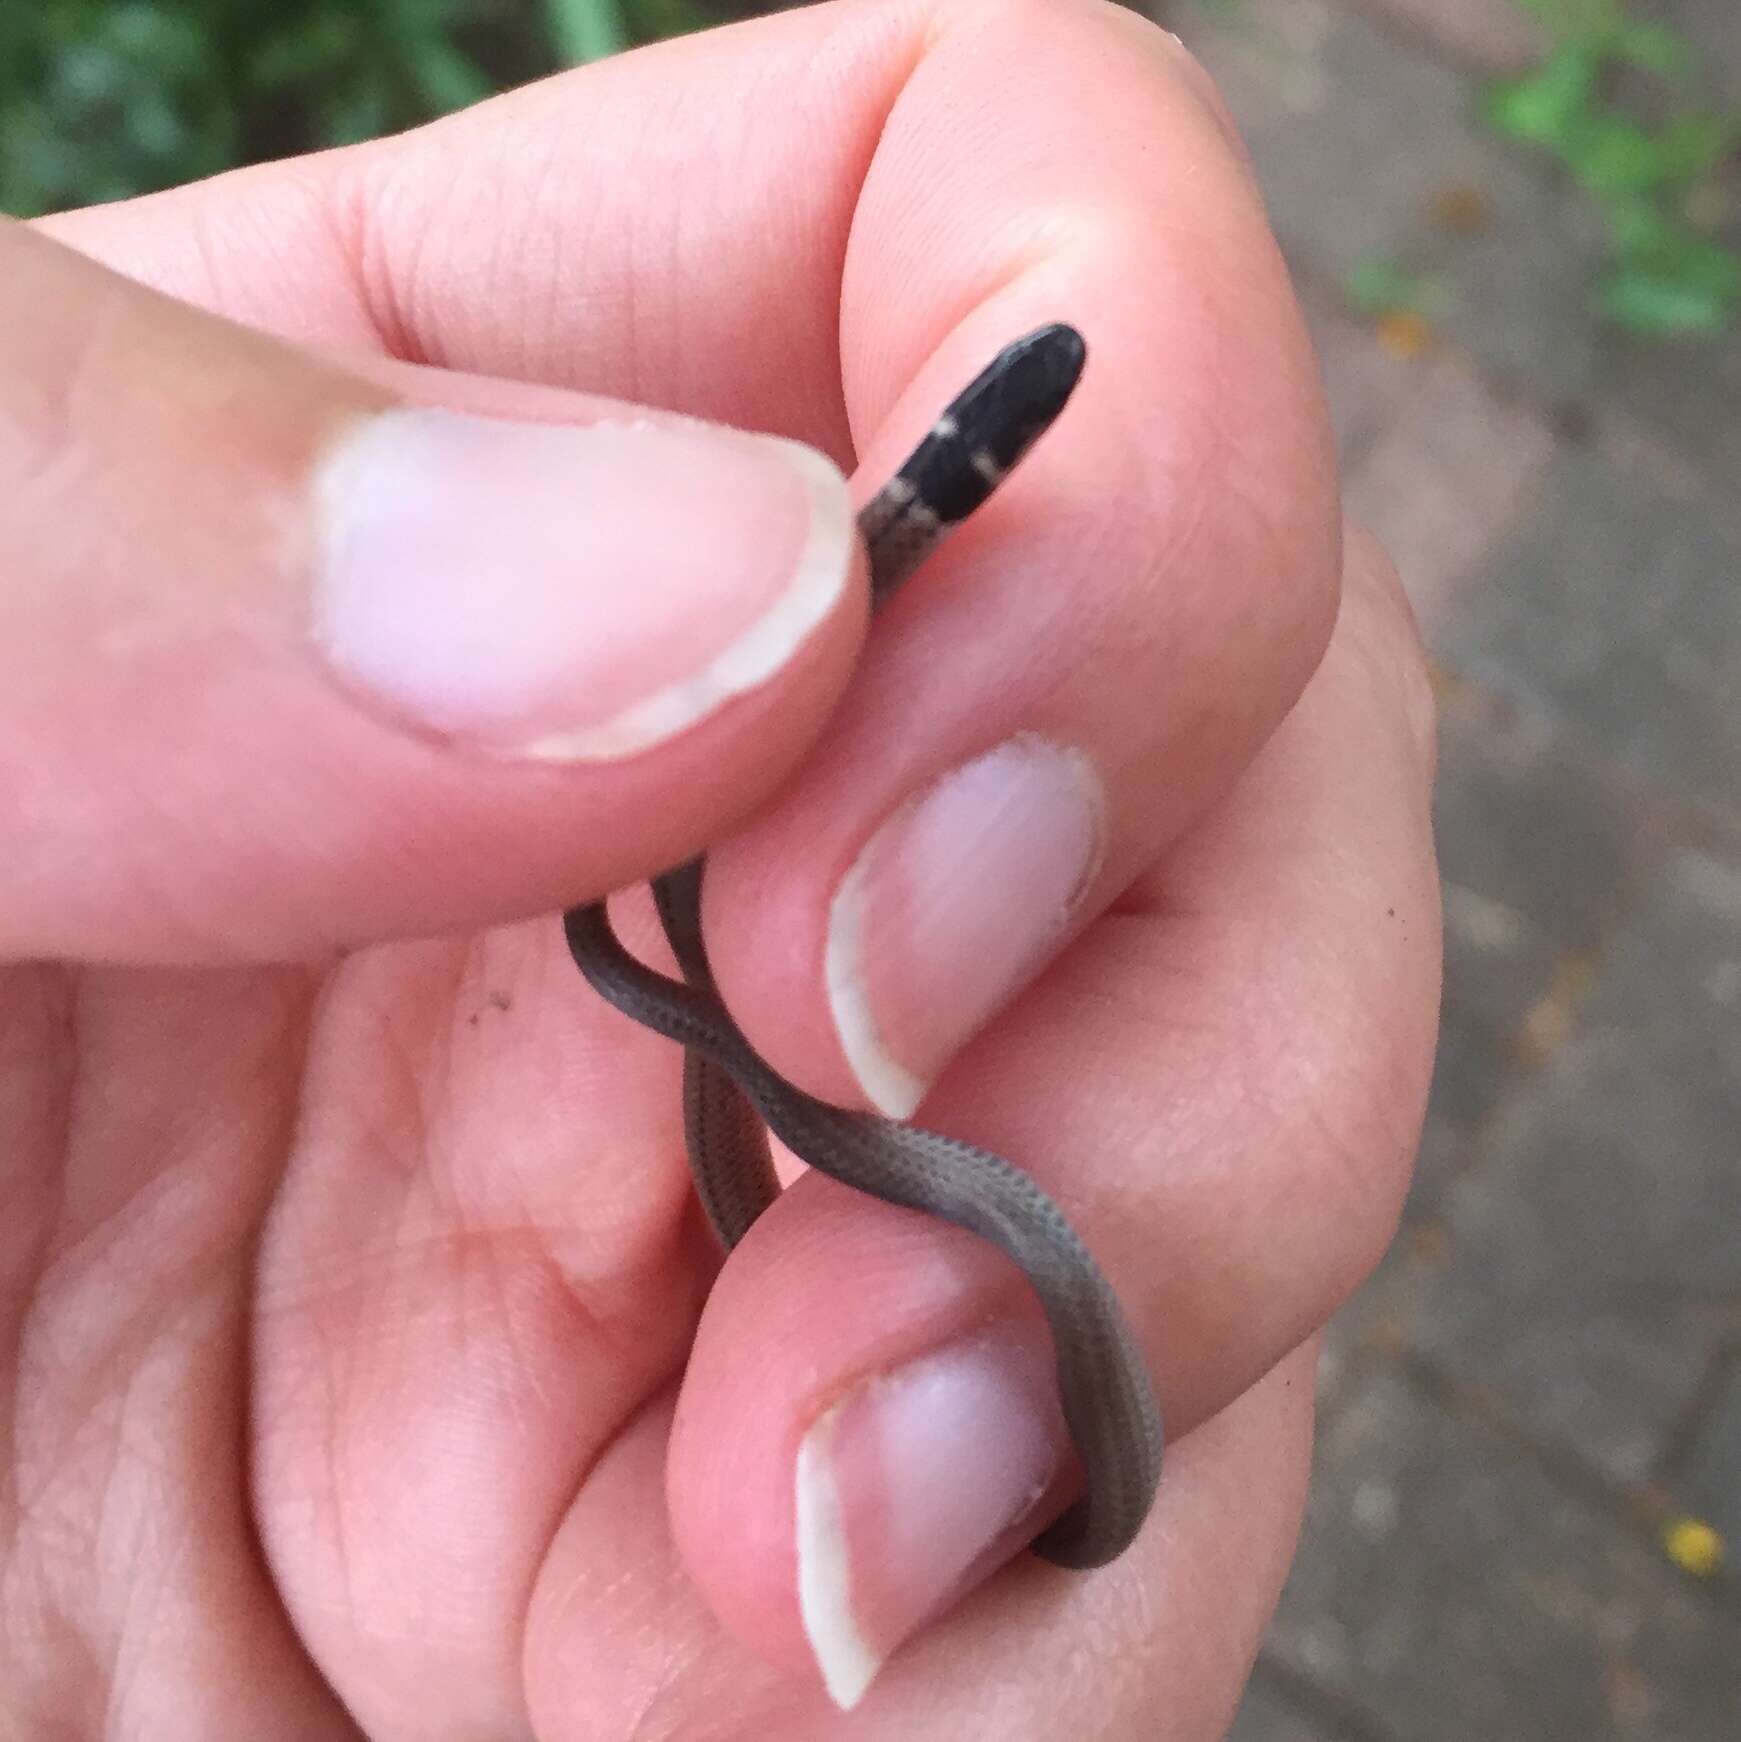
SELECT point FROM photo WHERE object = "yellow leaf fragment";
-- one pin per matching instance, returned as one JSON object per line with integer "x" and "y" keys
{"x": 1694, "y": 1546}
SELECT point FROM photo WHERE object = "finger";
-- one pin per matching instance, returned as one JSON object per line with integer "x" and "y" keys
{"x": 1089, "y": 665}
{"x": 1157, "y": 1646}
{"x": 135, "y": 1602}
{"x": 1222, "y": 1083}
{"x": 484, "y": 1258}
{"x": 287, "y": 662}
{"x": 1080, "y": 675}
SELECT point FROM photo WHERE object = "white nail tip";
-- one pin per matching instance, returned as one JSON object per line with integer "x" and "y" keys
{"x": 764, "y": 647}
{"x": 889, "y": 1086}
{"x": 846, "y": 1660}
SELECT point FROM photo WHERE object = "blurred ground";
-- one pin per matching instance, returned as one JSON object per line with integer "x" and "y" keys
{"x": 1543, "y": 1383}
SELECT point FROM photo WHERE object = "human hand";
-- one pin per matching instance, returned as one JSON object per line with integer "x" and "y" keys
{"x": 352, "y": 1285}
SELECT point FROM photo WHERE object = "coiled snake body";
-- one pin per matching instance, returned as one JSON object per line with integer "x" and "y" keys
{"x": 732, "y": 1098}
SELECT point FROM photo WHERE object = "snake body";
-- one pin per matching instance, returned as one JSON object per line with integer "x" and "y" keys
{"x": 732, "y": 1099}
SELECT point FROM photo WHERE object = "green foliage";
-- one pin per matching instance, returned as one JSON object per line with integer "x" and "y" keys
{"x": 100, "y": 99}
{"x": 1379, "y": 284}
{"x": 1606, "y": 29}
{"x": 588, "y": 30}
{"x": 1666, "y": 277}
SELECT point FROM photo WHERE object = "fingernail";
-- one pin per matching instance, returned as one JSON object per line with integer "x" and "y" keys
{"x": 906, "y": 1490}
{"x": 567, "y": 592}
{"x": 952, "y": 905}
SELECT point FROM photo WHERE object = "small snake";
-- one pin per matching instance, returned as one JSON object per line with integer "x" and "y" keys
{"x": 731, "y": 1098}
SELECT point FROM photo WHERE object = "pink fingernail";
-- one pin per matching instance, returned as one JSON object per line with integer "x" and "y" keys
{"x": 569, "y": 592}
{"x": 953, "y": 905}
{"x": 910, "y": 1489}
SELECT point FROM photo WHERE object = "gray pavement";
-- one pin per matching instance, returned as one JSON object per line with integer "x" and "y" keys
{"x": 1530, "y": 1420}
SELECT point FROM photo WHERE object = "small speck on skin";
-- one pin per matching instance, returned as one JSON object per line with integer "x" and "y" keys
{"x": 497, "y": 1001}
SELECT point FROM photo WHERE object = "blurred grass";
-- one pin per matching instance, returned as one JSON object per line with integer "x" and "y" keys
{"x": 102, "y": 99}
{"x": 1668, "y": 277}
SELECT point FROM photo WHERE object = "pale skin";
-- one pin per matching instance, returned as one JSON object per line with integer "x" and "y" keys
{"x": 367, "y": 1371}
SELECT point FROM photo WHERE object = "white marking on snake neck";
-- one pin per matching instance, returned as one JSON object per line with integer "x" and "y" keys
{"x": 984, "y": 462}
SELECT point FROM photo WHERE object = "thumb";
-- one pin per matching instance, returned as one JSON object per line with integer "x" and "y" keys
{"x": 287, "y": 664}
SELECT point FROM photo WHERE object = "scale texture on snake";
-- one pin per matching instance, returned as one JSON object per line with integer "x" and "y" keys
{"x": 732, "y": 1099}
